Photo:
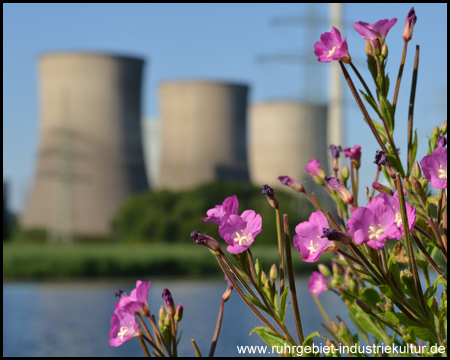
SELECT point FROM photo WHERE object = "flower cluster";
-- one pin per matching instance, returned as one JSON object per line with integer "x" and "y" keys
{"x": 238, "y": 231}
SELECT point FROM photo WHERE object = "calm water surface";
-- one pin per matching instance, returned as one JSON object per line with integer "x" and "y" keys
{"x": 73, "y": 319}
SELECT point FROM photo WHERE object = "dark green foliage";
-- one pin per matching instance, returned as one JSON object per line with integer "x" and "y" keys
{"x": 171, "y": 217}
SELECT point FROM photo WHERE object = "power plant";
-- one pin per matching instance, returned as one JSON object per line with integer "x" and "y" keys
{"x": 284, "y": 136}
{"x": 90, "y": 155}
{"x": 203, "y": 132}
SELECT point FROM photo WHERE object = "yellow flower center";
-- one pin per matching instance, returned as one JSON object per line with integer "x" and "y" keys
{"x": 442, "y": 173}
{"x": 242, "y": 239}
{"x": 123, "y": 331}
{"x": 313, "y": 247}
{"x": 332, "y": 51}
{"x": 398, "y": 219}
{"x": 375, "y": 231}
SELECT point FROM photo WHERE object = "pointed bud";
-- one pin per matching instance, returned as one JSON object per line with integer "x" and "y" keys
{"x": 207, "y": 241}
{"x": 434, "y": 136}
{"x": 168, "y": 302}
{"x": 179, "y": 313}
{"x": 365, "y": 307}
{"x": 384, "y": 51}
{"x": 324, "y": 270}
{"x": 270, "y": 194}
{"x": 443, "y": 129}
{"x": 417, "y": 187}
{"x": 288, "y": 181}
{"x": 407, "y": 185}
{"x": 273, "y": 273}
{"x": 263, "y": 277}
{"x": 417, "y": 173}
{"x": 162, "y": 313}
{"x": 424, "y": 182}
{"x": 338, "y": 185}
{"x": 336, "y": 235}
{"x": 380, "y": 308}
{"x": 382, "y": 188}
{"x": 411, "y": 19}
{"x": 345, "y": 173}
{"x": 167, "y": 321}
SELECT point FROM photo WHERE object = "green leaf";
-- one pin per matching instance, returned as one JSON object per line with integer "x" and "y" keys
{"x": 269, "y": 337}
{"x": 371, "y": 102}
{"x": 389, "y": 292}
{"x": 283, "y": 304}
{"x": 413, "y": 150}
{"x": 370, "y": 296}
{"x": 388, "y": 113}
{"x": 309, "y": 339}
{"x": 380, "y": 130}
{"x": 395, "y": 162}
{"x": 393, "y": 268}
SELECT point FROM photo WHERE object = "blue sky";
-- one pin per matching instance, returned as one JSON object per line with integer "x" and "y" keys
{"x": 210, "y": 41}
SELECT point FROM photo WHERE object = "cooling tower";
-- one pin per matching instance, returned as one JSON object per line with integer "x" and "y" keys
{"x": 284, "y": 136}
{"x": 203, "y": 132}
{"x": 90, "y": 153}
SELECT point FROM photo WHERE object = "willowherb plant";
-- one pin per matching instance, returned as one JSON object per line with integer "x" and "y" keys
{"x": 389, "y": 293}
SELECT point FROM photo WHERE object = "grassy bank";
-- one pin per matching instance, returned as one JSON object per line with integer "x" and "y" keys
{"x": 38, "y": 261}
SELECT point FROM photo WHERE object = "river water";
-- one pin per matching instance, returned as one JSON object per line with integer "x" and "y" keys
{"x": 73, "y": 318}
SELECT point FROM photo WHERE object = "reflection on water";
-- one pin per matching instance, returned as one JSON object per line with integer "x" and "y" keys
{"x": 73, "y": 319}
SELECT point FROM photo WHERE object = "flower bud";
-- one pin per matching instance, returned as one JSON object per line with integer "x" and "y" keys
{"x": 376, "y": 47}
{"x": 168, "y": 302}
{"x": 263, "y": 277}
{"x": 286, "y": 180}
{"x": 162, "y": 313}
{"x": 417, "y": 173}
{"x": 441, "y": 141}
{"x": 434, "y": 136}
{"x": 167, "y": 321}
{"x": 443, "y": 129}
{"x": 407, "y": 185}
{"x": 411, "y": 19}
{"x": 382, "y": 188}
{"x": 417, "y": 187}
{"x": 424, "y": 182}
{"x": 273, "y": 273}
{"x": 336, "y": 235}
{"x": 179, "y": 313}
{"x": 270, "y": 194}
{"x": 384, "y": 51}
{"x": 324, "y": 270}
{"x": 337, "y": 268}
{"x": 207, "y": 241}
{"x": 408, "y": 280}
{"x": 443, "y": 297}
{"x": 338, "y": 185}
{"x": 345, "y": 173}
{"x": 365, "y": 307}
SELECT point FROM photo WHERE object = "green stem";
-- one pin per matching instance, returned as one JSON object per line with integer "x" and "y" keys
{"x": 427, "y": 255}
{"x": 411, "y": 255}
{"x": 144, "y": 347}
{"x": 322, "y": 310}
{"x": 280, "y": 248}
{"x": 399, "y": 77}
{"x": 411, "y": 104}
{"x": 196, "y": 349}
{"x": 362, "y": 107}
{"x": 287, "y": 245}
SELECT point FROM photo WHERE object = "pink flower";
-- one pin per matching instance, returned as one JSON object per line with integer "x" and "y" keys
{"x": 354, "y": 154}
{"x": 137, "y": 302}
{"x": 220, "y": 213}
{"x": 393, "y": 202}
{"x": 317, "y": 283}
{"x": 434, "y": 168}
{"x": 374, "y": 224}
{"x": 379, "y": 30}
{"x": 331, "y": 47}
{"x": 309, "y": 240}
{"x": 123, "y": 328}
{"x": 240, "y": 231}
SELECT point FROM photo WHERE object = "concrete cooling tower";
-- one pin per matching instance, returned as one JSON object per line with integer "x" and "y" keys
{"x": 284, "y": 136}
{"x": 203, "y": 133}
{"x": 90, "y": 153}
